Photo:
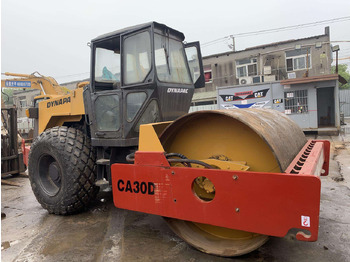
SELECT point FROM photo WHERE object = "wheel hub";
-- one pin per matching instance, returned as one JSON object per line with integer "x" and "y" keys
{"x": 54, "y": 173}
{"x": 49, "y": 174}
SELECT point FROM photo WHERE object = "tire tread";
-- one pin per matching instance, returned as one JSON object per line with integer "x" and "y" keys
{"x": 79, "y": 159}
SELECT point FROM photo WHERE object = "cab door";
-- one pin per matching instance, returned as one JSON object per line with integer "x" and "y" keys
{"x": 103, "y": 100}
{"x": 194, "y": 59}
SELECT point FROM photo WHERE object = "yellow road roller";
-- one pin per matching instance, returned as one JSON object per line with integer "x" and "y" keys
{"x": 223, "y": 180}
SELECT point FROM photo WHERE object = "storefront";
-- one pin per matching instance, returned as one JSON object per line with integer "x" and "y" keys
{"x": 312, "y": 102}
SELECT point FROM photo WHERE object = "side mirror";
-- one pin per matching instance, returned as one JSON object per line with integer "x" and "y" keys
{"x": 194, "y": 59}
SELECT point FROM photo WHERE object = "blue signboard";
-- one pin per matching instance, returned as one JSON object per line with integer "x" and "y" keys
{"x": 20, "y": 84}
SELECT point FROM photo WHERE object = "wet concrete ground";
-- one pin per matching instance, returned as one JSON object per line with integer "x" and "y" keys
{"x": 105, "y": 233}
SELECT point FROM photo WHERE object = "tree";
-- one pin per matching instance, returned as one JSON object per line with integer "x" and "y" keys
{"x": 7, "y": 95}
{"x": 344, "y": 72}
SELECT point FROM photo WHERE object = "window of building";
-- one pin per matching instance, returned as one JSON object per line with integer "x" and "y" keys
{"x": 23, "y": 103}
{"x": 295, "y": 102}
{"x": 204, "y": 103}
{"x": 208, "y": 74}
{"x": 298, "y": 59}
{"x": 247, "y": 67}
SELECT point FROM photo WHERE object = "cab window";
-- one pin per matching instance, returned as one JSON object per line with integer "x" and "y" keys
{"x": 107, "y": 113}
{"x": 136, "y": 58}
{"x": 107, "y": 67}
{"x": 134, "y": 102}
{"x": 171, "y": 63}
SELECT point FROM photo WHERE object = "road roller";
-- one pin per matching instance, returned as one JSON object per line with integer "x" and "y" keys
{"x": 224, "y": 180}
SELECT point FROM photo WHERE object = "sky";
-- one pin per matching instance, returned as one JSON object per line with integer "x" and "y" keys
{"x": 51, "y": 36}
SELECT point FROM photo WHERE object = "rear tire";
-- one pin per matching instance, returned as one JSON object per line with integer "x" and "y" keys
{"x": 62, "y": 170}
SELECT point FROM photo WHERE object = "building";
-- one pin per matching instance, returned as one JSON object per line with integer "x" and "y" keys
{"x": 23, "y": 100}
{"x": 74, "y": 84}
{"x": 292, "y": 76}
{"x": 311, "y": 102}
{"x": 311, "y": 56}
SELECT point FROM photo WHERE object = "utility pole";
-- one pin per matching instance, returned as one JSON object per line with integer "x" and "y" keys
{"x": 307, "y": 62}
{"x": 336, "y": 61}
{"x": 232, "y": 46}
{"x": 336, "y": 49}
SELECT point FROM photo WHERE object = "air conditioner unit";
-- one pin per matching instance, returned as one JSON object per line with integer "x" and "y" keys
{"x": 270, "y": 78}
{"x": 245, "y": 80}
{"x": 258, "y": 79}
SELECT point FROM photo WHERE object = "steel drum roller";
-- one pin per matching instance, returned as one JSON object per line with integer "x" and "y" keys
{"x": 265, "y": 140}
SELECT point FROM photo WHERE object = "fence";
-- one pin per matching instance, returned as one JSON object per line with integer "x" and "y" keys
{"x": 345, "y": 102}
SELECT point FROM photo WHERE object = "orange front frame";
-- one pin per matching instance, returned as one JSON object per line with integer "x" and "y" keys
{"x": 265, "y": 203}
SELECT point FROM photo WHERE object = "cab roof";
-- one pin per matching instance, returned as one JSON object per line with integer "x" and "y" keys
{"x": 137, "y": 28}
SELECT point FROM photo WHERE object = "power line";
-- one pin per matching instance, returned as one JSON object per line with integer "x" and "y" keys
{"x": 266, "y": 31}
{"x": 274, "y": 30}
{"x": 335, "y": 20}
{"x": 72, "y": 75}
{"x": 214, "y": 41}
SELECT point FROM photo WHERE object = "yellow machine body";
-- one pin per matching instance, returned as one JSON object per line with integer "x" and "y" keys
{"x": 60, "y": 109}
{"x": 56, "y": 104}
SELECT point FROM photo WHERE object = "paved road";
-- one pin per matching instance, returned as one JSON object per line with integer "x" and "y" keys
{"x": 105, "y": 233}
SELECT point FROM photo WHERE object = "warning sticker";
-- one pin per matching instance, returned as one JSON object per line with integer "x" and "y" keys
{"x": 245, "y": 95}
{"x": 305, "y": 221}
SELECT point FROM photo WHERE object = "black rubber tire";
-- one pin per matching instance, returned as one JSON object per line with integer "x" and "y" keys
{"x": 62, "y": 170}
